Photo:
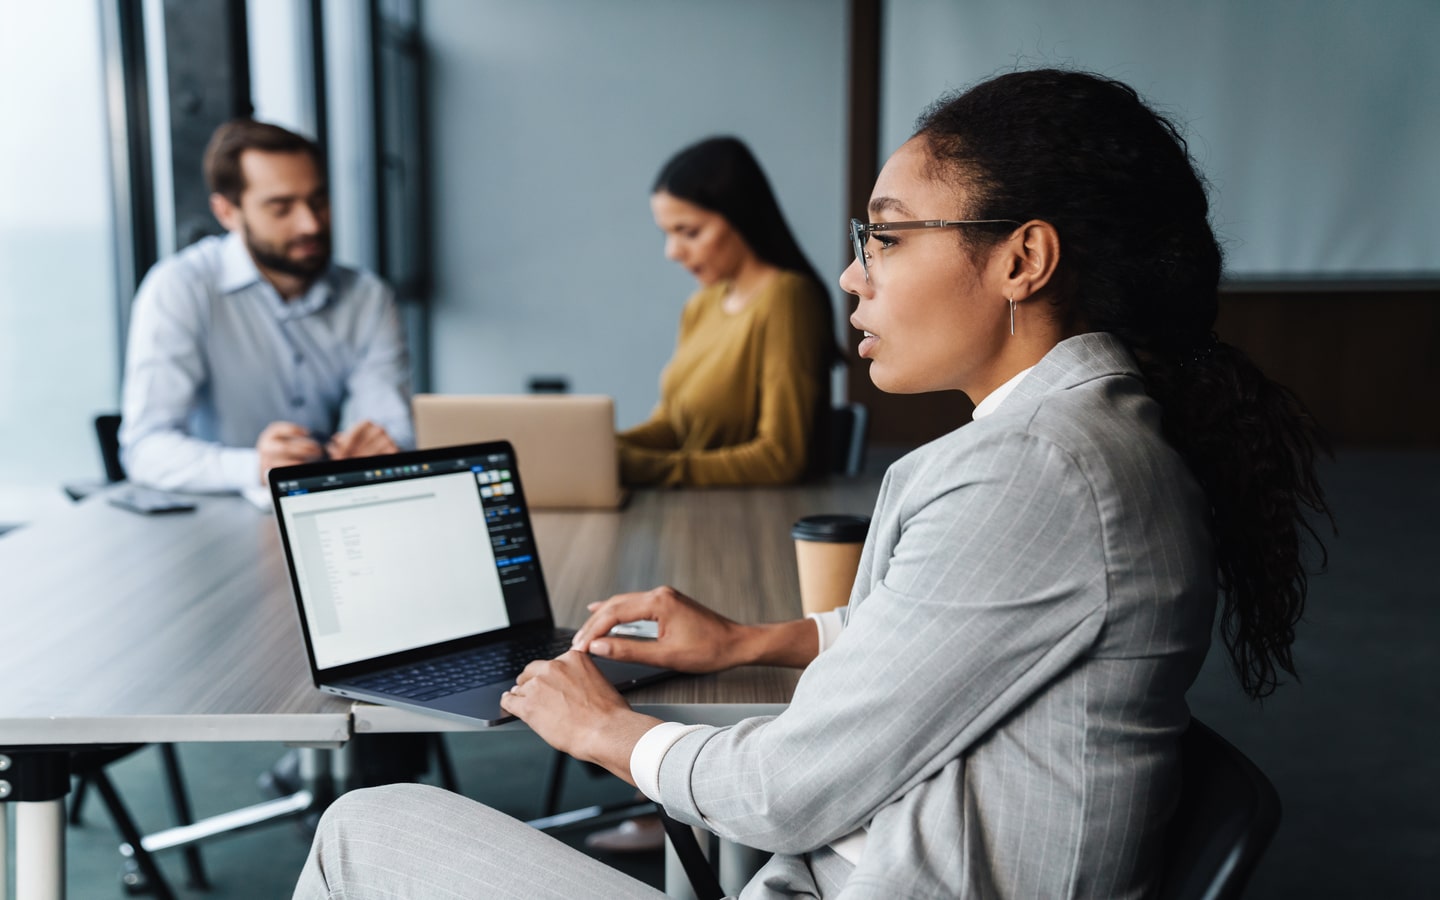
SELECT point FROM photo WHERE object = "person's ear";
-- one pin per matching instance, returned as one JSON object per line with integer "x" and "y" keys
{"x": 1028, "y": 259}
{"x": 226, "y": 213}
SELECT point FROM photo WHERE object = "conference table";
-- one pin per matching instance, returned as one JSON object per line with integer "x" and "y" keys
{"x": 119, "y": 628}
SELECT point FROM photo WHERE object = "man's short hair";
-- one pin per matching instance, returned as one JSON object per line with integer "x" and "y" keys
{"x": 222, "y": 155}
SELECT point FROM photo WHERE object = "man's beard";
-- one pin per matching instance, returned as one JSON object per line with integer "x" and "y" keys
{"x": 274, "y": 257}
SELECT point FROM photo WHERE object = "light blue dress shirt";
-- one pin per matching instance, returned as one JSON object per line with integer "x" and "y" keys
{"x": 216, "y": 355}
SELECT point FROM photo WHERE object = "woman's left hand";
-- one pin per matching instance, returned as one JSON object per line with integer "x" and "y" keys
{"x": 575, "y": 710}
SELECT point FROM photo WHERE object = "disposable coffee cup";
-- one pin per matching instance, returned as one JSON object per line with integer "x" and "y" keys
{"x": 827, "y": 550}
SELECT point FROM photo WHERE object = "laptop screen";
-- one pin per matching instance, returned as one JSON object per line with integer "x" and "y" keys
{"x": 427, "y": 549}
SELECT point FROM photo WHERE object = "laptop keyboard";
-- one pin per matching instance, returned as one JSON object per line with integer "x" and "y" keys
{"x": 451, "y": 675}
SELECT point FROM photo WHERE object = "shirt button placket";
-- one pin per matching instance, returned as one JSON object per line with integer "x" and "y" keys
{"x": 298, "y": 400}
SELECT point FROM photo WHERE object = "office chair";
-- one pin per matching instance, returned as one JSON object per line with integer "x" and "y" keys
{"x": 849, "y": 428}
{"x": 107, "y": 435}
{"x": 140, "y": 873}
{"x": 1227, "y": 813}
{"x": 698, "y": 868}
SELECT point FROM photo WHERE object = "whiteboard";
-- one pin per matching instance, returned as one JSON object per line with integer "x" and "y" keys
{"x": 1316, "y": 122}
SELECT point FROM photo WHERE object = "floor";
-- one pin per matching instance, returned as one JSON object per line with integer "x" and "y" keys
{"x": 1350, "y": 747}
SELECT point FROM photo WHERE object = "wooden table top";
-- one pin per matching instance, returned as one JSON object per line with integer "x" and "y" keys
{"x": 178, "y": 627}
{"x": 123, "y": 628}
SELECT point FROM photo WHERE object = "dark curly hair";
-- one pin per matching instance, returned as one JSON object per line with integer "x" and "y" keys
{"x": 1140, "y": 261}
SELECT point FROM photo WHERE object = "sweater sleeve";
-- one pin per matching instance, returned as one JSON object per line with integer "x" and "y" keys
{"x": 794, "y": 337}
{"x": 654, "y": 434}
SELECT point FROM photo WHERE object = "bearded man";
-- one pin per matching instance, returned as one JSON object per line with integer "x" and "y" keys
{"x": 254, "y": 350}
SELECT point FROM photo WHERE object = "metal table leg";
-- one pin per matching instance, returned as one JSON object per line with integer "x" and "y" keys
{"x": 4, "y": 850}
{"x": 35, "y": 783}
{"x": 40, "y": 850}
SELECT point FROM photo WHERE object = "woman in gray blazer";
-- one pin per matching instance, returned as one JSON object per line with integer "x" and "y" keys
{"x": 996, "y": 712}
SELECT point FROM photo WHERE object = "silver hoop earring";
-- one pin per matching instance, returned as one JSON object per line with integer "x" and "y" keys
{"x": 1012, "y": 315}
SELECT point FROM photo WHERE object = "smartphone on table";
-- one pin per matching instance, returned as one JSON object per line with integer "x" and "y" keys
{"x": 149, "y": 501}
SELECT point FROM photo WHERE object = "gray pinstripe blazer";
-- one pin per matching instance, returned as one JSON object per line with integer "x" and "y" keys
{"x": 1002, "y": 708}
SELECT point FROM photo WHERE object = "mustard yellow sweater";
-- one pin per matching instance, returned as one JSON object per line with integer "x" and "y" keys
{"x": 740, "y": 398}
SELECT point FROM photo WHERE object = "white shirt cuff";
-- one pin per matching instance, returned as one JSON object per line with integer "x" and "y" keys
{"x": 830, "y": 625}
{"x": 241, "y": 467}
{"x": 650, "y": 751}
{"x": 851, "y": 847}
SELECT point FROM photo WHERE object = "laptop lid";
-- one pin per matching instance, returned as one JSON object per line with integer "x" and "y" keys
{"x": 566, "y": 440}
{"x": 411, "y": 556}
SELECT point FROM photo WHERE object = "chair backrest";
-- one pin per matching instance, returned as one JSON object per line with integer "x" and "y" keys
{"x": 1227, "y": 814}
{"x": 849, "y": 425}
{"x": 107, "y": 431}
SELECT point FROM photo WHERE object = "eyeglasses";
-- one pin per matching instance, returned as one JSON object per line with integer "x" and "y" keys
{"x": 861, "y": 231}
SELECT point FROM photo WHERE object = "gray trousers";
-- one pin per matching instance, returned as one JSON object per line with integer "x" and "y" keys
{"x": 416, "y": 841}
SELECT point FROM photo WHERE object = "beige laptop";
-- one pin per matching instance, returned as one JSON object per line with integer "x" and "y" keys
{"x": 565, "y": 441}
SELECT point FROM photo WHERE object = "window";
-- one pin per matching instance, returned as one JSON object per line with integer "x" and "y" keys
{"x": 58, "y": 343}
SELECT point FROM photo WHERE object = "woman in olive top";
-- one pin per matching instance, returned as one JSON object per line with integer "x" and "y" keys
{"x": 744, "y": 399}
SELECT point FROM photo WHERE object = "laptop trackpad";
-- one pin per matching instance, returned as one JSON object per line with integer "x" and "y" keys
{"x": 481, "y": 703}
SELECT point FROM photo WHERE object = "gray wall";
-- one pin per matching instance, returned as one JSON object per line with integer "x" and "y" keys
{"x": 1315, "y": 120}
{"x": 549, "y": 121}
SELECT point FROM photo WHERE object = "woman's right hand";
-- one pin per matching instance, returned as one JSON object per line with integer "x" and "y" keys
{"x": 690, "y": 637}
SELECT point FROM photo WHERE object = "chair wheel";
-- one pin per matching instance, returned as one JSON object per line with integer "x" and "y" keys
{"x": 132, "y": 879}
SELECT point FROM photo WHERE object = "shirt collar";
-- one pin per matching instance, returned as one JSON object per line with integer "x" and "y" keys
{"x": 996, "y": 397}
{"x": 238, "y": 271}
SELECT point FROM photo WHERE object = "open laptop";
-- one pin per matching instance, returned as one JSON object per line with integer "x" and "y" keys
{"x": 566, "y": 440}
{"x": 418, "y": 579}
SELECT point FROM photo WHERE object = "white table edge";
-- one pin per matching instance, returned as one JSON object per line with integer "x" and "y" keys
{"x": 370, "y": 717}
{"x": 328, "y": 727}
